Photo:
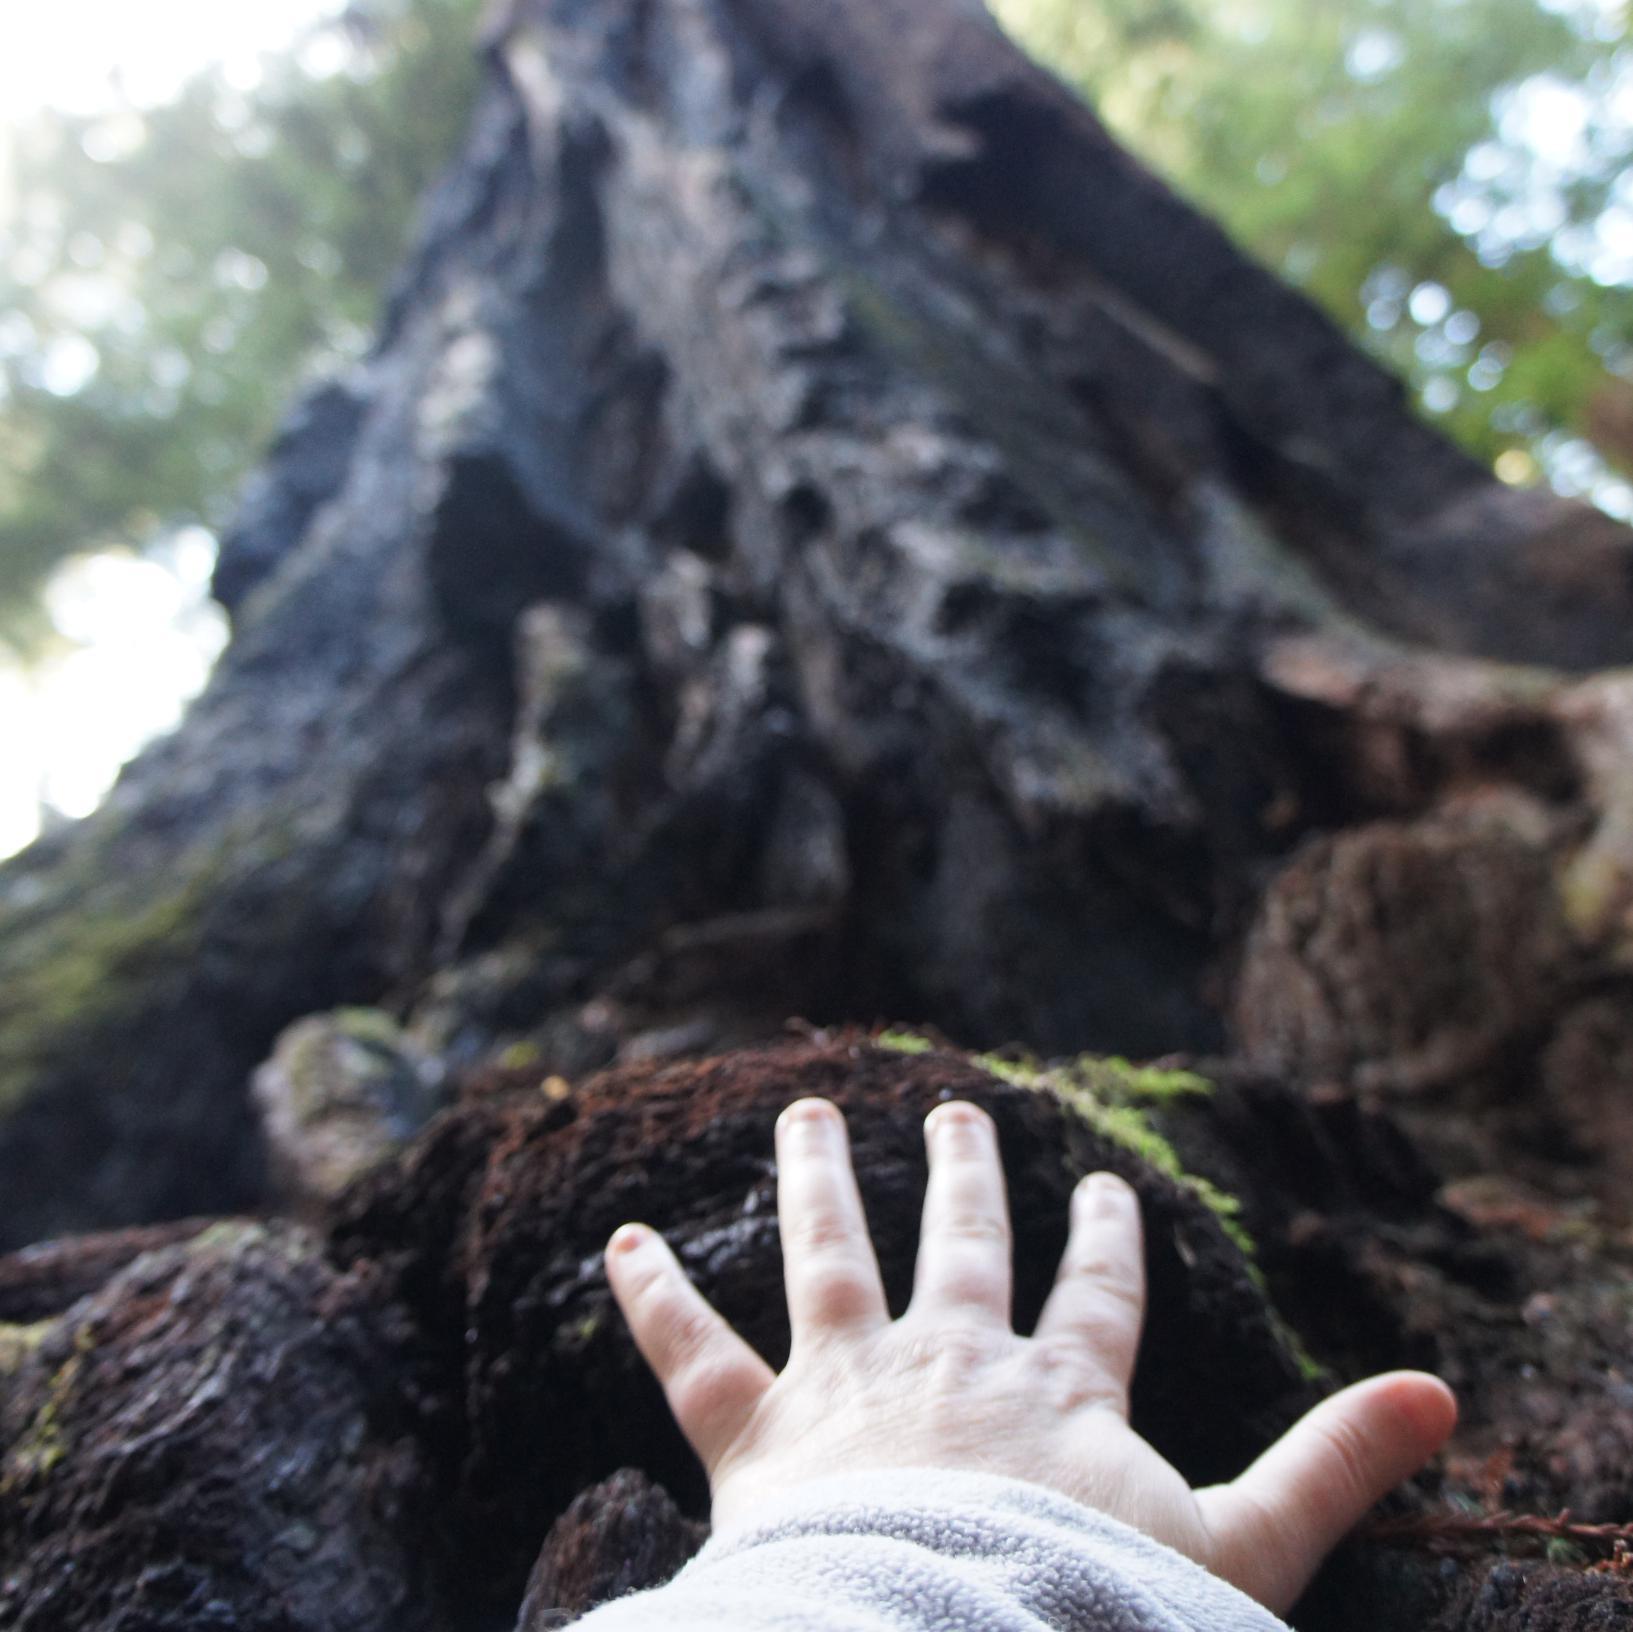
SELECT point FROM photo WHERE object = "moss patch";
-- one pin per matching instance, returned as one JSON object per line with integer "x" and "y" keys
{"x": 1114, "y": 1096}
{"x": 1121, "y": 1080}
{"x": 1106, "y": 1092}
{"x": 1109, "y": 1093}
{"x": 93, "y": 958}
{"x": 521, "y": 1056}
{"x": 18, "y": 1343}
{"x": 44, "y": 1442}
{"x": 903, "y": 1042}
{"x": 228, "y": 1236}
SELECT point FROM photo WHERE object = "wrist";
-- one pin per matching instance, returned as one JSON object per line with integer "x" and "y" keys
{"x": 1031, "y": 1542}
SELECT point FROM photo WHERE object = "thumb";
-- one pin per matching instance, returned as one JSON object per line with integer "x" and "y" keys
{"x": 1272, "y": 1527}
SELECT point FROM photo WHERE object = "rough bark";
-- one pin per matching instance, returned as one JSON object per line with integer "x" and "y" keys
{"x": 620, "y": 1536}
{"x": 822, "y": 533}
{"x": 909, "y": 563}
{"x": 212, "y": 1440}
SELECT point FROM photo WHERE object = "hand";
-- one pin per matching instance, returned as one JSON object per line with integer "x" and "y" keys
{"x": 950, "y": 1385}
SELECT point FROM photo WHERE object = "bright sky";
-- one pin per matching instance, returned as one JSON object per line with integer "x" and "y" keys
{"x": 144, "y": 631}
{"x": 145, "y": 634}
{"x": 72, "y": 54}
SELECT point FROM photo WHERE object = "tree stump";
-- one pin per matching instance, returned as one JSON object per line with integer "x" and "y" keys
{"x": 822, "y": 533}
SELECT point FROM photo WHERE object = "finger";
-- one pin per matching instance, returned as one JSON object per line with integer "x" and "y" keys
{"x": 828, "y": 1263}
{"x": 711, "y": 1377}
{"x": 1098, "y": 1303}
{"x": 1274, "y": 1525}
{"x": 964, "y": 1243}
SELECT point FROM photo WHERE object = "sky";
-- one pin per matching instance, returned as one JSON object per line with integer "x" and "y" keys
{"x": 143, "y": 629}
{"x": 73, "y": 54}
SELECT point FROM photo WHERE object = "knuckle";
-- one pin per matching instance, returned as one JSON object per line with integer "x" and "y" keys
{"x": 683, "y": 1331}
{"x": 703, "y": 1388}
{"x": 1070, "y": 1379}
{"x": 838, "y": 1292}
{"x": 1102, "y": 1326}
{"x": 821, "y": 1232}
{"x": 960, "y": 1351}
{"x": 652, "y": 1286}
{"x": 1347, "y": 1449}
{"x": 961, "y": 1279}
{"x": 976, "y": 1226}
{"x": 1114, "y": 1278}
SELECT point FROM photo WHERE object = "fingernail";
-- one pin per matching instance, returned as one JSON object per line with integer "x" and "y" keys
{"x": 812, "y": 1111}
{"x": 956, "y": 1113}
{"x": 1104, "y": 1194}
{"x": 628, "y": 1238}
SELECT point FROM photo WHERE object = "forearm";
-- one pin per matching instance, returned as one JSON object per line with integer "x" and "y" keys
{"x": 931, "y": 1551}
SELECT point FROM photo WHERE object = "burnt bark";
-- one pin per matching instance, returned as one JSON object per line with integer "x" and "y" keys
{"x": 822, "y": 533}
{"x": 620, "y": 1536}
{"x": 212, "y": 1439}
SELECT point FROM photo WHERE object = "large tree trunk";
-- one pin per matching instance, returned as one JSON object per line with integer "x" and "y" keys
{"x": 825, "y": 533}
{"x": 822, "y": 532}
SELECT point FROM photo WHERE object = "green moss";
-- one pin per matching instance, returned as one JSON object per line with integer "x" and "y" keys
{"x": 1114, "y": 1096}
{"x": 367, "y": 1026}
{"x": 522, "y": 1056}
{"x": 326, "y": 1053}
{"x": 40, "y": 1449}
{"x": 1149, "y": 1082}
{"x": 231, "y": 1235}
{"x": 1309, "y": 1368}
{"x": 17, "y": 1343}
{"x": 44, "y": 1443}
{"x": 903, "y": 1042}
{"x": 103, "y": 951}
{"x": 1105, "y": 1090}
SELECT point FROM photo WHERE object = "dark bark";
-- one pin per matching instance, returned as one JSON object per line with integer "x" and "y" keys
{"x": 212, "y": 1440}
{"x": 42, "y": 1281}
{"x": 903, "y": 553}
{"x": 620, "y": 1536}
{"x": 824, "y": 533}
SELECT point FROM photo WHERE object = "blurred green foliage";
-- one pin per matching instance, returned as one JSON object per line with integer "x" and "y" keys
{"x": 169, "y": 275}
{"x": 1448, "y": 178}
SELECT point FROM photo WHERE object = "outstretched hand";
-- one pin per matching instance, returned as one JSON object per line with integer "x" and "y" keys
{"x": 950, "y": 1385}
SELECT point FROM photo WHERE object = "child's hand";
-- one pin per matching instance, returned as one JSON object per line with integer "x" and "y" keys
{"x": 950, "y": 1385}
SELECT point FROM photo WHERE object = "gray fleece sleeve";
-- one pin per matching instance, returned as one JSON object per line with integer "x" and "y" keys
{"x": 932, "y": 1551}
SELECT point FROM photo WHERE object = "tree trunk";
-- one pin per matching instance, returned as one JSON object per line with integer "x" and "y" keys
{"x": 825, "y": 533}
